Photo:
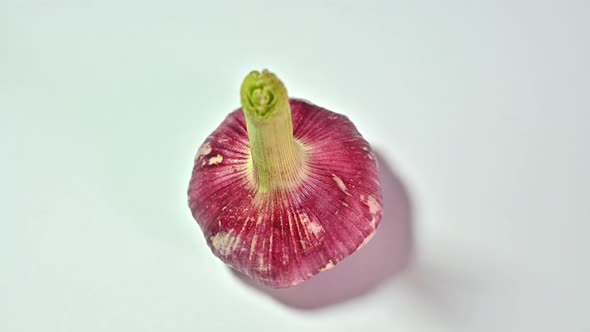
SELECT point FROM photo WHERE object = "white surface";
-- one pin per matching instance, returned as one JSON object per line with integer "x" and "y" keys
{"x": 482, "y": 109}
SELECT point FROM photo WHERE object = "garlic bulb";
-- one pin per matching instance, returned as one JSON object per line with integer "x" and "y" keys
{"x": 284, "y": 189}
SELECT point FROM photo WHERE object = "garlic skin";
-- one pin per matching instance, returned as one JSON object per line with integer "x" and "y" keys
{"x": 285, "y": 234}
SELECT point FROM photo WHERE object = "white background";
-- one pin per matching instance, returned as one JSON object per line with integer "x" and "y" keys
{"x": 479, "y": 111}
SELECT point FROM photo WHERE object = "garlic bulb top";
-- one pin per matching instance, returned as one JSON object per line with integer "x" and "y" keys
{"x": 284, "y": 189}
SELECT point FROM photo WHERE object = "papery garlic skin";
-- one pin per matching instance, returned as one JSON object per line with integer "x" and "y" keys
{"x": 283, "y": 236}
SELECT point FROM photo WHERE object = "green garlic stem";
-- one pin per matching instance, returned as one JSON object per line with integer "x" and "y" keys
{"x": 277, "y": 159}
